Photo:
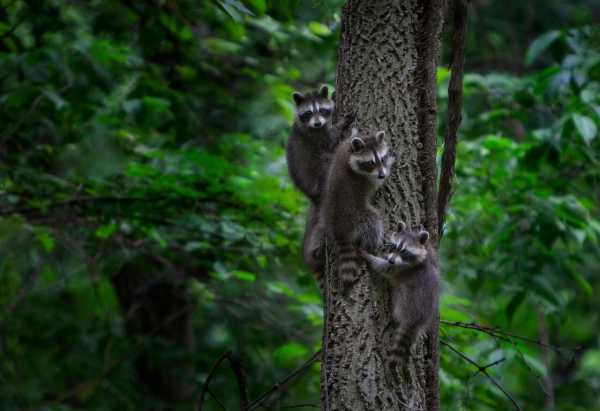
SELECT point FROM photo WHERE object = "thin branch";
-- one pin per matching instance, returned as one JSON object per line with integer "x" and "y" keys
{"x": 286, "y": 382}
{"x": 483, "y": 370}
{"x": 212, "y": 371}
{"x": 490, "y": 365}
{"x": 214, "y": 397}
{"x": 240, "y": 374}
{"x": 455, "y": 97}
{"x": 495, "y": 332}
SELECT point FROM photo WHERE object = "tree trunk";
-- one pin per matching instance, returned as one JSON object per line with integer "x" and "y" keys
{"x": 386, "y": 75}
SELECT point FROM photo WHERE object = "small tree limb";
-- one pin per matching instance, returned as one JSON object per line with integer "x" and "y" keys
{"x": 286, "y": 382}
{"x": 240, "y": 374}
{"x": 455, "y": 98}
{"x": 505, "y": 335}
{"x": 483, "y": 370}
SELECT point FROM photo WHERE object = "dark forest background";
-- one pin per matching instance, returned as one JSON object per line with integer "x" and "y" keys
{"x": 148, "y": 225}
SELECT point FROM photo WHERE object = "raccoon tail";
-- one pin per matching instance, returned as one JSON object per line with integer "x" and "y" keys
{"x": 349, "y": 265}
{"x": 401, "y": 344}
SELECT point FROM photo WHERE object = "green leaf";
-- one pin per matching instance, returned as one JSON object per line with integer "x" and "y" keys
{"x": 45, "y": 239}
{"x": 584, "y": 284}
{"x": 319, "y": 29}
{"x": 105, "y": 231}
{"x": 288, "y": 353}
{"x": 442, "y": 74}
{"x": 585, "y": 126}
{"x": 220, "y": 46}
{"x": 514, "y": 304}
{"x": 259, "y": 5}
{"x": 540, "y": 44}
{"x": 244, "y": 275}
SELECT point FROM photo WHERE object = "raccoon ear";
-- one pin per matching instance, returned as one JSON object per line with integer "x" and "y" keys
{"x": 324, "y": 91}
{"x": 401, "y": 226}
{"x": 423, "y": 236}
{"x": 379, "y": 136}
{"x": 333, "y": 96}
{"x": 298, "y": 98}
{"x": 357, "y": 144}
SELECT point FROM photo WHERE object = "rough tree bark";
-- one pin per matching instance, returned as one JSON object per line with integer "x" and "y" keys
{"x": 388, "y": 55}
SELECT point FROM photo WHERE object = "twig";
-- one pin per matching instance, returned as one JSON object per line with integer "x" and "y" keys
{"x": 495, "y": 332}
{"x": 490, "y": 365}
{"x": 214, "y": 397}
{"x": 212, "y": 371}
{"x": 455, "y": 97}
{"x": 483, "y": 370}
{"x": 286, "y": 382}
{"x": 240, "y": 374}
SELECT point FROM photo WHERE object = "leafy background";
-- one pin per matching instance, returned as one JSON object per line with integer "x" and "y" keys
{"x": 148, "y": 137}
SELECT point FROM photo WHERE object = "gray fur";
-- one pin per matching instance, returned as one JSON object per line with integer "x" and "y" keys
{"x": 346, "y": 215}
{"x": 309, "y": 148}
{"x": 411, "y": 268}
{"x": 309, "y": 152}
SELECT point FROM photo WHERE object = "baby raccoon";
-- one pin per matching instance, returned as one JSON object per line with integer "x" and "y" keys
{"x": 411, "y": 267}
{"x": 359, "y": 166}
{"x": 309, "y": 151}
{"x": 312, "y": 140}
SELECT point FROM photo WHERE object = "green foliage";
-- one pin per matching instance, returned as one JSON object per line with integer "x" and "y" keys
{"x": 521, "y": 239}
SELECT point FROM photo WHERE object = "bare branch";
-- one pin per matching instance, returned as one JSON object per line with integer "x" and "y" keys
{"x": 483, "y": 370}
{"x": 286, "y": 382}
{"x": 490, "y": 365}
{"x": 212, "y": 371}
{"x": 455, "y": 97}
{"x": 507, "y": 336}
{"x": 214, "y": 397}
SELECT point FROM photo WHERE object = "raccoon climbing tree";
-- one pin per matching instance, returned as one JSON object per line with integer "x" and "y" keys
{"x": 386, "y": 75}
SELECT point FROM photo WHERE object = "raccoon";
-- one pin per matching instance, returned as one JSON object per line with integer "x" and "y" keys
{"x": 312, "y": 141}
{"x": 309, "y": 151}
{"x": 410, "y": 265}
{"x": 359, "y": 166}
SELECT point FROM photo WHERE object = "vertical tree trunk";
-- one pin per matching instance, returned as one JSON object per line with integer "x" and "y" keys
{"x": 155, "y": 308}
{"x": 386, "y": 75}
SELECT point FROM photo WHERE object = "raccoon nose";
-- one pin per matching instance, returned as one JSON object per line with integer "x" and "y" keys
{"x": 381, "y": 174}
{"x": 317, "y": 124}
{"x": 392, "y": 259}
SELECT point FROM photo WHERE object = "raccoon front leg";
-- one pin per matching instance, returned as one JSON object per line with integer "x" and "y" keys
{"x": 341, "y": 127}
{"x": 377, "y": 264}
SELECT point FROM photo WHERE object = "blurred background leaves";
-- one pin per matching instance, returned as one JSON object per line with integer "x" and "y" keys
{"x": 148, "y": 138}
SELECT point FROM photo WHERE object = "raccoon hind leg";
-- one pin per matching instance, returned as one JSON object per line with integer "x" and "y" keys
{"x": 399, "y": 353}
{"x": 313, "y": 243}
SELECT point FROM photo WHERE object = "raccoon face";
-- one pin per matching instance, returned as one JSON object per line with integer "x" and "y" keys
{"x": 314, "y": 110}
{"x": 407, "y": 246}
{"x": 370, "y": 156}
